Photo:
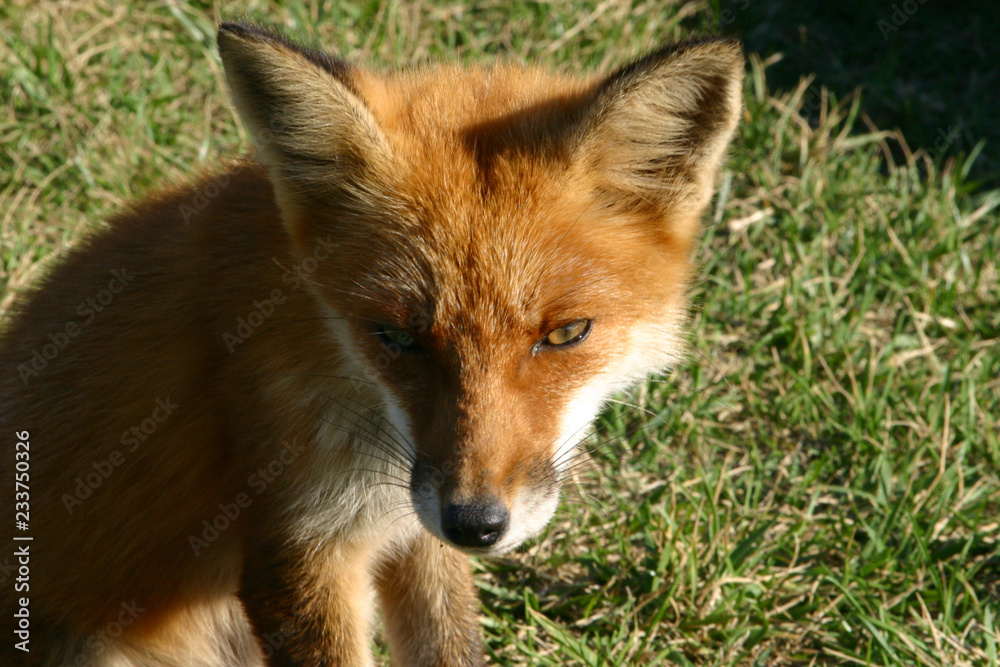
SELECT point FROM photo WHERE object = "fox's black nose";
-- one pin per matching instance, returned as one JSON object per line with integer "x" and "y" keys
{"x": 475, "y": 525}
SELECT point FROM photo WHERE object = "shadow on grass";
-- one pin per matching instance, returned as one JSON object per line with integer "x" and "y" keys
{"x": 930, "y": 69}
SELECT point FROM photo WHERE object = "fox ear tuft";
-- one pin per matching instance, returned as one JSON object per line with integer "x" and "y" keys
{"x": 302, "y": 110}
{"x": 657, "y": 129}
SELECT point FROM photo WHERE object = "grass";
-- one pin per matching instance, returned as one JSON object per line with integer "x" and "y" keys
{"x": 924, "y": 67}
{"x": 819, "y": 484}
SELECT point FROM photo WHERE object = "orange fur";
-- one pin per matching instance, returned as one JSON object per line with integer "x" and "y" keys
{"x": 337, "y": 360}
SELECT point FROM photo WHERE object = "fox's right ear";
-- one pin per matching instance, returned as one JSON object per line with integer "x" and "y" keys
{"x": 303, "y": 112}
{"x": 656, "y": 130}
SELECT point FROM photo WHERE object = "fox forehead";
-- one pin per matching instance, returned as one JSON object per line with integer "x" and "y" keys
{"x": 519, "y": 269}
{"x": 489, "y": 222}
{"x": 524, "y": 258}
{"x": 428, "y": 108}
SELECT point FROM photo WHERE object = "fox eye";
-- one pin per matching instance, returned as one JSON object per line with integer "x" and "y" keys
{"x": 404, "y": 340}
{"x": 568, "y": 334}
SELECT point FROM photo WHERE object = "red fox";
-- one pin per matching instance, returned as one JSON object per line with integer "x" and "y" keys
{"x": 250, "y": 408}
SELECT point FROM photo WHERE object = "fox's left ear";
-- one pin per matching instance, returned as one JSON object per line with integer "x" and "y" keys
{"x": 304, "y": 113}
{"x": 656, "y": 130}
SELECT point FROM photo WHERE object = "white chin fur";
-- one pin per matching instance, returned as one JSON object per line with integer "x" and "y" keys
{"x": 529, "y": 514}
{"x": 529, "y": 511}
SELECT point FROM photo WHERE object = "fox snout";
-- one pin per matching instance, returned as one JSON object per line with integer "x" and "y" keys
{"x": 475, "y": 525}
{"x": 478, "y": 514}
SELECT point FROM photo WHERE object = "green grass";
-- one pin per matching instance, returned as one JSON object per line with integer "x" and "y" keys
{"x": 819, "y": 483}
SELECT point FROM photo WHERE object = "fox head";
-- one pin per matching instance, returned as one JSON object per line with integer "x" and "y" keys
{"x": 512, "y": 246}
